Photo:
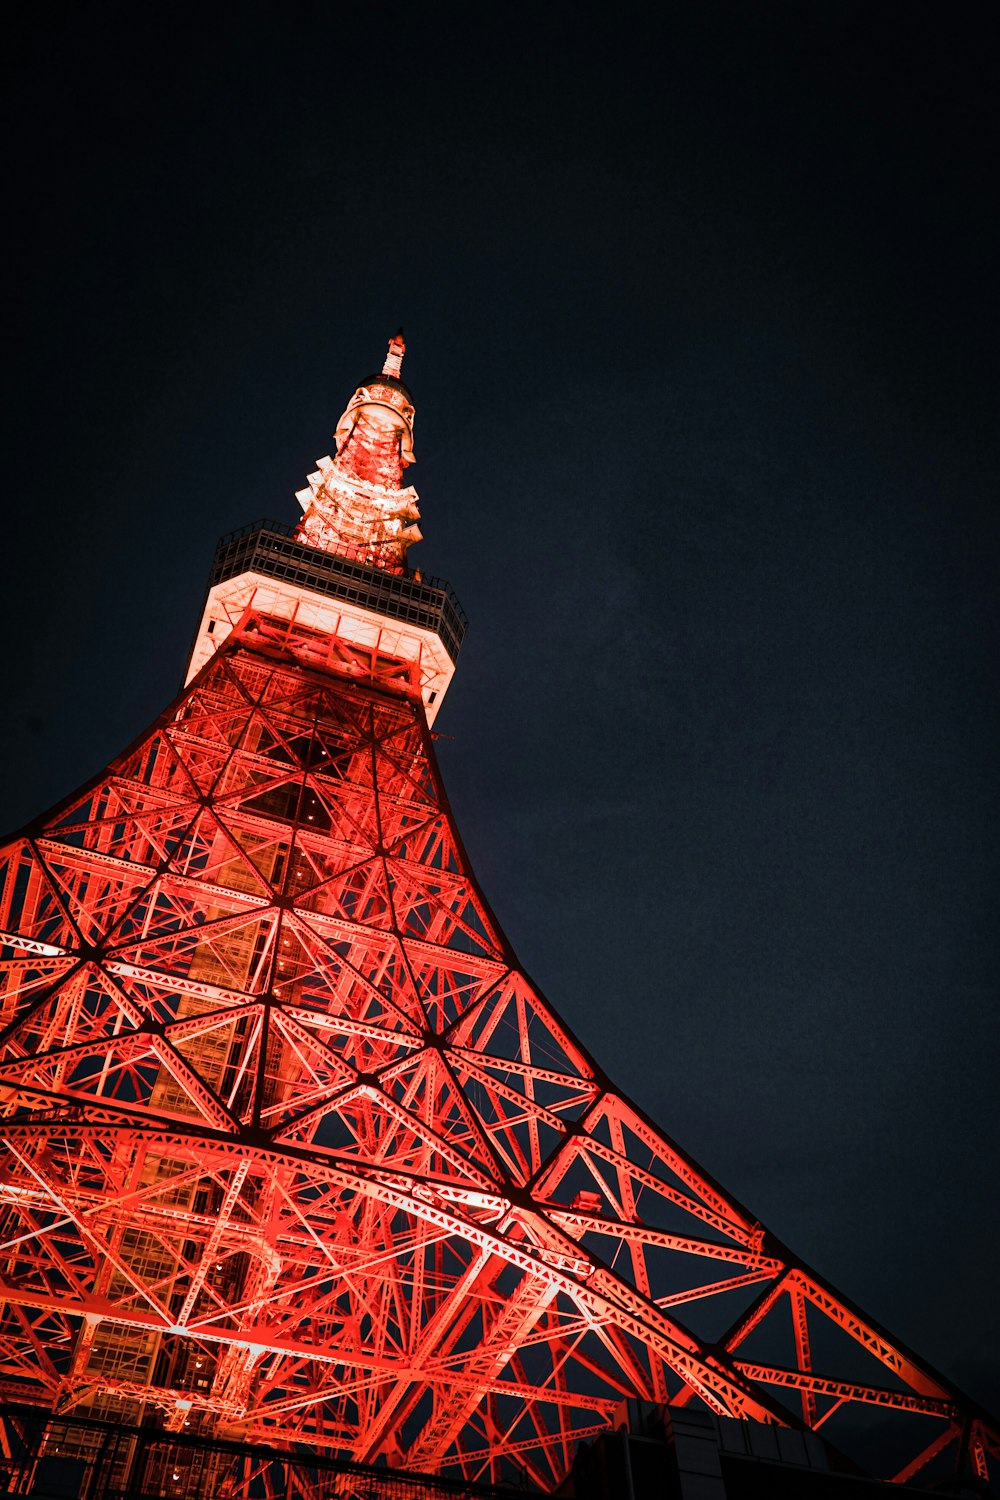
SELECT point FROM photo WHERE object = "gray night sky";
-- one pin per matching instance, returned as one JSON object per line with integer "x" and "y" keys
{"x": 700, "y": 341}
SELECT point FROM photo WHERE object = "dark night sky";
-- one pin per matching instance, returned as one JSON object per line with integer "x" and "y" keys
{"x": 698, "y": 316}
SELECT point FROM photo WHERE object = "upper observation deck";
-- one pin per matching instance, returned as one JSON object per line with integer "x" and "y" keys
{"x": 264, "y": 566}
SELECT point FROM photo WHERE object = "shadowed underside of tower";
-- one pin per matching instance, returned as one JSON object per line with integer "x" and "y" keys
{"x": 292, "y": 1149}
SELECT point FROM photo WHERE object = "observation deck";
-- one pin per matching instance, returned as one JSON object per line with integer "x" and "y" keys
{"x": 411, "y": 617}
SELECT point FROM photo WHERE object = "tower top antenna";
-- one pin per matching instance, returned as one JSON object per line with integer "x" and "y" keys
{"x": 394, "y": 359}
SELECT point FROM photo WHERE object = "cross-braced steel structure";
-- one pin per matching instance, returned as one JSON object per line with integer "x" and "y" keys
{"x": 292, "y": 1149}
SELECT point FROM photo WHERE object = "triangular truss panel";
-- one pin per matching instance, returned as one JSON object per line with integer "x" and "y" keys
{"x": 292, "y": 1149}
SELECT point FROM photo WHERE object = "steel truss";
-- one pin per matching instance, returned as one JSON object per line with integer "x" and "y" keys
{"x": 293, "y": 1151}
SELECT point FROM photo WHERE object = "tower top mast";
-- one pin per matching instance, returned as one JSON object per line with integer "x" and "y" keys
{"x": 394, "y": 358}
{"x": 356, "y": 503}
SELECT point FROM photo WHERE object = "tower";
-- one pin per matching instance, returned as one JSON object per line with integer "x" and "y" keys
{"x": 292, "y": 1150}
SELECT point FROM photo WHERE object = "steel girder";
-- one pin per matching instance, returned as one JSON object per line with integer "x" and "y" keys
{"x": 291, "y": 1147}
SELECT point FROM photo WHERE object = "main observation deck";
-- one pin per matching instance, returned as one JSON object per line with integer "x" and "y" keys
{"x": 410, "y": 616}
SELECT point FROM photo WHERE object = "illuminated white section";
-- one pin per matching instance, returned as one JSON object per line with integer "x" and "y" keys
{"x": 228, "y": 601}
{"x": 32, "y": 945}
{"x": 394, "y": 359}
{"x": 357, "y": 517}
{"x": 346, "y": 491}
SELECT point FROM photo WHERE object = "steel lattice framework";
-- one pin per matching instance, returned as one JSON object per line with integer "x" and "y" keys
{"x": 292, "y": 1148}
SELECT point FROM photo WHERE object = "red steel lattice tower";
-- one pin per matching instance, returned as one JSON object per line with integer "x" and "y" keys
{"x": 291, "y": 1148}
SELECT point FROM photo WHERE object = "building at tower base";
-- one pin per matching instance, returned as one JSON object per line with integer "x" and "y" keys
{"x": 658, "y": 1453}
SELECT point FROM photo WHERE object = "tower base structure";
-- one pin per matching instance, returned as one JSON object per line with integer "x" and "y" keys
{"x": 294, "y": 1155}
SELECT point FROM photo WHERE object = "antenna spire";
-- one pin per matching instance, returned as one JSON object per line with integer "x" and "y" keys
{"x": 394, "y": 358}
